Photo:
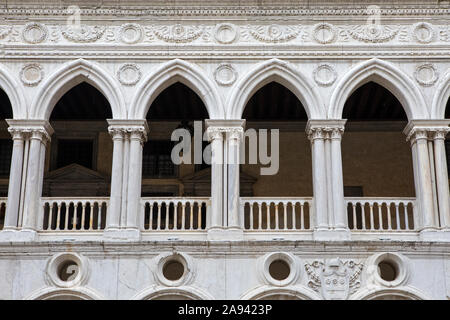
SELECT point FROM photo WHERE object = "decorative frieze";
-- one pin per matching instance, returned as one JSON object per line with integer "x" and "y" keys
{"x": 373, "y": 33}
{"x": 34, "y": 33}
{"x": 130, "y": 33}
{"x": 82, "y": 33}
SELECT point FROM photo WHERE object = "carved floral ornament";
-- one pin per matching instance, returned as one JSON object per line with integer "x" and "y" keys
{"x": 225, "y": 74}
{"x": 228, "y": 33}
{"x": 334, "y": 132}
{"x": 324, "y": 75}
{"x": 129, "y": 74}
{"x": 426, "y": 74}
{"x": 31, "y": 74}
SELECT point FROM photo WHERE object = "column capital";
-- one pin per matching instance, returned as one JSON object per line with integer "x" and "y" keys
{"x": 37, "y": 129}
{"x": 325, "y": 129}
{"x": 233, "y": 129}
{"x": 132, "y": 128}
{"x": 426, "y": 129}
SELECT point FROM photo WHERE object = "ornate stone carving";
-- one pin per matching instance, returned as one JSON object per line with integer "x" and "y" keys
{"x": 324, "y": 75}
{"x": 324, "y": 33}
{"x": 226, "y": 33}
{"x": 31, "y": 74}
{"x": 82, "y": 33}
{"x": 335, "y": 279}
{"x": 274, "y": 33}
{"x": 4, "y": 31}
{"x": 34, "y": 33}
{"x": 225, "y": 74}
{"x": 178, "y": 33}
{"x": 426, "y": 74}
{"x": 130, "y": 33}
{"x": 374, "y": 33}
{"x": 423, "y": 32}
{"x": 129, "y": 74}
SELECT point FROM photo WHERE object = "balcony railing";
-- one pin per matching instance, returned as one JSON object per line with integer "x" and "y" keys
{"x": 175, "y": 214}
{"x": 381, "y": 214}
{"x": 2, "y": 211}
{"x": 74, "y": 214}
{"x": 276, "y": 214}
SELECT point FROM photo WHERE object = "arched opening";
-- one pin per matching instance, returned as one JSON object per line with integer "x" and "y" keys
{"x": 274, "y": 107}
{"x": 176, "y": 107}
{"x": 377, "y": 160}
{"x": 78, "y": 160}
{"x": 447, "y": 139}
{"x": 5, "y": 152}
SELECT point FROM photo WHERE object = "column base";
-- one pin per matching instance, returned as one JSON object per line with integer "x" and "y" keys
{"x": 435, "y": 235}
{"x": 127, "y": 234}
{"x": 225, "y": 234}
{"x": 332, "y": 235}
{"x": 23, "y": 235}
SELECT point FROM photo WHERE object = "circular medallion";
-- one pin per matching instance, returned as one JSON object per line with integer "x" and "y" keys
{"x": 426, "y": 74}
{"x": 31, "y": 74}
{"x": 225, "y": 74}
{"x": 130, "y": 33}
{"x": 129, "y": 74}
{"x": 34, "y": 33}
{"x": 324, "y": 75}
{"x": 225, "y": 33}
{"x": 423, "y": 32}
{"x": 324, "y": 33}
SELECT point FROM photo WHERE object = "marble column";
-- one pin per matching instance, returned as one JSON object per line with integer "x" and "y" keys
{"x": 317, "y": 137}
{"x": 340, "y": 213}
{"x": 216, "y": 138}
{"x": 442, "y": 187}
{"x": 15, "y": 179}
{"x": 234, "y": 136}
{"x": 419, "y": 142}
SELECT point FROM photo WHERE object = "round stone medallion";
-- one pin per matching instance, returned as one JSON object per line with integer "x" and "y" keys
{"x": 225, "y": 33}
{"x": 34, "y": 33}
{"x": 423, "y": 32}
{"x": 324, "y": 75}
{"x": 225, "y": 74}
{"x": 129, "y": 74}
{"x": 324, "y": 33}
{"x": 31, "y": 74}
{"x": 130, "y": 33}
{"x": 426, "y": 74}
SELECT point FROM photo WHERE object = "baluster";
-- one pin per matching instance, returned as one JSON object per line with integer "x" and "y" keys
{"x": 83, "y": 215}
{"x": 183, "y": 216}
{"x": 58, "y": 216}
{"x": 294, "y": 216}
{"x": 397, "y": 216}
{"x": 175, "y": 216}
{"x": 380, "y": 216}
{"x": 191, "y": 216}
{"x": 50, "y": 216}
{"x": 91, "y": 214}
{"x": 302, "y": 216}
{"x": 355, "y": 222}
{"x": 259, "y": 215}
{"x": 277, "y": 224}
{"x": 285, "y": 204}
{"x": 372, "y": 220}
{"x": 405, "y": 206}
{"x": 199, "y": 216}
{"x": 100, "y": 214}
{"x": 150, "y": 219}
{"x": 158, "y": 221}
{"x": 363, "y": 213}
{"x": 74, "y": 217}
{"x": 251, "y": 215}
{"x": 388, "y": 205}
{"x": 166, "y": 226}
{"x": 268, "y": 216}
{"x": 66, "y": 217}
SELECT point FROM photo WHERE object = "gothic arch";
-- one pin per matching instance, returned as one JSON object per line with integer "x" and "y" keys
{"x": 388, "y": 76}
{"x": 14, "y": 93}
{"x": 283, "y": 73}
{"x": 68, "y": 76}
{"x": 406, "y": 293}
{"x": 168, "y": 73}
{"x": 79, "y": 293}
{"x": 263, "y": 292}
{"x": 440, "y": 98}
{"x": 155, "y": 292}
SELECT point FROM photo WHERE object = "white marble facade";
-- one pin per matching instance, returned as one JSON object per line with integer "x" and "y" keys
{"x": 225, "y": 52}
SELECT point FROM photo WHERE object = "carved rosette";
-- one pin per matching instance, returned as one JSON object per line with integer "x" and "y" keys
{"x": 226, "y": 33}
{"x": 324, "y": 33}
{"x": 274, "y": 33}
{"x": 130, "y": 33}
{"x": 178, "y": 33}
{"x": 423, "y": 32}
{"x": 426, "y": 74}
{"x": 82, "y": 33}
{"x": 34, "y": 33}
{"x": 129, "y": 74}
{"x": 335, "y": 279}
{"x": 31, "y": 74}
{"x": 225, "y": 74}
{"x": 374, "y": 33}
{"x": 324, "y": 75}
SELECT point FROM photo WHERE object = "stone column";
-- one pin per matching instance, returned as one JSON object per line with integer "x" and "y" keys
{"x": 340, "y": 213}
{"x": 317, "y": 135}
{"x": 15, "y": 180}
{"x": 138, "y": 136}
{"x": 442, "y": 176}
{"x": 216, "y": 138}
{"x": 418, "y": 136}
{"x": 234, "y": 136}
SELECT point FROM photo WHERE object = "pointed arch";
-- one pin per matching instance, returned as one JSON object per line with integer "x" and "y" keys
{"x": 14, "y": 92}
{"x": 275, "y": 70}
{"x": 68, "y": 76}
{"x": 177, "y": 70}
{"x": 386, "y": 75}
{"x": 440, "y": 98}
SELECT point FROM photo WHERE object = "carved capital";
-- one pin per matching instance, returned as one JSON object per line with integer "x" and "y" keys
{"x": 214, "y": 133}
{"x": 316, "y": 133}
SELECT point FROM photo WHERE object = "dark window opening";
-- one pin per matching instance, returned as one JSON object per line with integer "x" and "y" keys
{"x": 447, "y": 152}
{"x": 156, "y": 160}
{"x": 5, "y": 156}
{"x": 75, "y": 151}
{"x": 353, "y": 191}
